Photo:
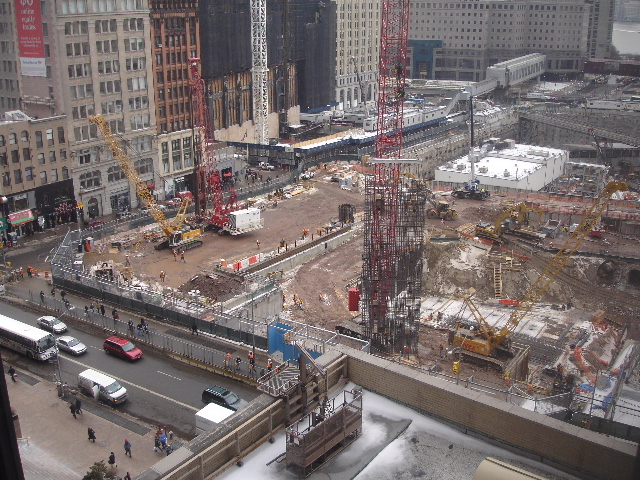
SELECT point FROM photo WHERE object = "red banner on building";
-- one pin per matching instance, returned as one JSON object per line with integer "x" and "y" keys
{"x": 30, "y": 38}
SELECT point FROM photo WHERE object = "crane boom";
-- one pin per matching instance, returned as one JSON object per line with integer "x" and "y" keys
{"x": 486, "y": 340}
{"x": 176, "y": 237}
{"x": 551, "y": 272}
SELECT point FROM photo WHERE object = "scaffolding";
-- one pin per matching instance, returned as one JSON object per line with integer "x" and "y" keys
{"x": 324, "y": 433}
{"x": 392, "y": 264}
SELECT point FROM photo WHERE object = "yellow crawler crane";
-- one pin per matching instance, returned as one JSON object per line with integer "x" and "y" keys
{"x": 485, "y": 340}
{"x": 512, "y": 220}
{"x": 180, "y": 236}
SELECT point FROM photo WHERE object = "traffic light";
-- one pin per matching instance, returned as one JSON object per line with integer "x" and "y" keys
{"x": 456, "y": 367}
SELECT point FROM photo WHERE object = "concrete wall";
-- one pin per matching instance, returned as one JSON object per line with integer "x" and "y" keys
{"x": 569, "y": 448}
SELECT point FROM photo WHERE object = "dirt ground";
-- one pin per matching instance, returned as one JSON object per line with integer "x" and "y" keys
{"x": 321, "y": 283}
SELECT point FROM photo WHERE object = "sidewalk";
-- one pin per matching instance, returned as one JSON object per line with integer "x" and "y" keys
{"x": 55, "y": 446}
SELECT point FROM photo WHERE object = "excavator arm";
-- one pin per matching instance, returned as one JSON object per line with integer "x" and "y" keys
{"x": 553, "y": 269}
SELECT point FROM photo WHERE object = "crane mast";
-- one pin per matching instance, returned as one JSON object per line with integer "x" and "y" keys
{"x": 260, "y": 70}
{"x": 395, "y": 212}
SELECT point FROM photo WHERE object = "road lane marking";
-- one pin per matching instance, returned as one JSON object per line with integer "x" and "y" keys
{"x": 169, "y": 375}
{"x": 135, "y": 385}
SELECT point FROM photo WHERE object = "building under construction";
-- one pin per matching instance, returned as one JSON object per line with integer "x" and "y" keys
{"x": 392, "y": 265}
{"x": 300, "y": 40}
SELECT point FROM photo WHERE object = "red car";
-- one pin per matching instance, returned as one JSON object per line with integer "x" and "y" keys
{"x": 123, "y": 348}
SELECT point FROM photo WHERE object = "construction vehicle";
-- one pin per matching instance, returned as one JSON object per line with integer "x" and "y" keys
{"x": 179, "y": 235}
{"x": 471, "y": 189}
{"x": 230, "y": 217}
{"x": 515, "y": 221}
{"x": 441, "y": 209}
{"x": 487, "y": 343}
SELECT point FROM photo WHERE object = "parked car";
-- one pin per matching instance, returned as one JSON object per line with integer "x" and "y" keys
{"x": 161, "y": 207}
{"x": 121, "y": 347}
{"x": 71, "y": 345}
{"x": 174, "y": 202}
{"x": 224, "y": 397}
{"x": 51, "y": 324}
{"x": 308, "y": 175}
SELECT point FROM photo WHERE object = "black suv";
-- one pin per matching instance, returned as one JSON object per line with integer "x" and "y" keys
{"x": 222, "y": 396}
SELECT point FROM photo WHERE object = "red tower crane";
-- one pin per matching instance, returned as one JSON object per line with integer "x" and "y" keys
{"x": 394, "y": 222}
{"x": 209, "y": 183}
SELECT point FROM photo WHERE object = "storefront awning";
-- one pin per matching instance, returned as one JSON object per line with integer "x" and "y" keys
{"x": 21, "y": 217}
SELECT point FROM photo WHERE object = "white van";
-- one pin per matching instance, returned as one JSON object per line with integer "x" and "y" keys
{"x": 102, "y": 387}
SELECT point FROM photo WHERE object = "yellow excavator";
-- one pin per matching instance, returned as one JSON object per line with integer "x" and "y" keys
{"x": 514, "y": 220}
{"x": 180, "y": 235}
{"x": 491, "y": 343}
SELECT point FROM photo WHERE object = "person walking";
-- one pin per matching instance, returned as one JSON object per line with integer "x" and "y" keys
{"x": 127, "y": 477}
{"x": 41, "y": 296}
{"x": 238, "y": 360}
{"x": 78, "y": 406}
{"x": 63, "y": 294}
{"x": 12, "y": 373}
{"x": 102, "y": 309}
{"x": 163, "y": 441}
{"x": 112, "y": 460}
{"x": 162, "y": 275}
{"x": 127, "y": 262}
{"x": 175, "y": 256}
{"x": 194, "y": 329}
{"x": 53, "y": 292}
{"x": 182, "y": 257}
{"x": 227, "y": 360}
{"x": 127, "y": 447}
{"x": 92, "y": 434}
{"x": 258, "y": 244}
{"x": 72, "y": 407}
{"x": 130, "y": 323}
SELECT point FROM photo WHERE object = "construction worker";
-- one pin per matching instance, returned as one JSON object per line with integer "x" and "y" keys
{"x": 21, "y": 273}
{"x": 162, "y": 275}
{"x": 258, "y": 244}
{"x": 127, "y": 262}
{"x": 175, "y": 256}
{"x": 251, "y": 357}
{"x": 182, "y": 257}
{"x": 269, "y": 365}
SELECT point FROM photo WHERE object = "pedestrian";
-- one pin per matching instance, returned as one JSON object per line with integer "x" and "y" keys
{"x": 269, "y": 365}
{"x": 163, "y": 440}
{"x": 29, "y": 271}
{"x": 162, "y": 275}
{"x": 182, "y": 257}
{"x": 102, "y": 309}
{"x": 227, "y": 360}
{"x": 175, "y": 256}
{"x": 53, "y": 292}
{"x": 63, "y": 294}
{"x": 441, "y": 351}
{"x": 139, "y": 328}
{"x": 238, "y": 360}
{"x": 194, "y": 329}
{"x": 72, "y": 407}
{"x": 92, "y": 307}
{"x": 169, "y": 450}
{"x": 258, "y": 244}
{"x": 78, "y": 406}
{"x": 127, "y": 262}
{"x": 86, "y": 310}
{"x": 41, "y": 296}
{"x": 127, "y": 447}
{"x": 112, "y": 460}
{"x": 157, "y": 445}
{"x": 67, "y": 304}
{"x": 115, "y": 314}
{"x": 12, "y": 373}
{"x": 127, "y": 477}
{"x": 145, "y": 327}
{"x": 21, "y": 273}
{"x": 130, "y": 323}
{"x": 92, "y": 434}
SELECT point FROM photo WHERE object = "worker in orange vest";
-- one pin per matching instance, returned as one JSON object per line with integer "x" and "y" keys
{"x": 269, "y": 365}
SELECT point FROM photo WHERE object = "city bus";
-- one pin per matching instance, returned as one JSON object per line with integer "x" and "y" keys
{"x": 30, "y": 341}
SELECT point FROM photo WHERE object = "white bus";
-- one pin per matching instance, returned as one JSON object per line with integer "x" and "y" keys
{"x": 28, "y": 340}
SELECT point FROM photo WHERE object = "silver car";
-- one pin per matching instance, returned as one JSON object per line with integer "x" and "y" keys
{"x": 51, "y": 324}
{"x": 71, "y": 345}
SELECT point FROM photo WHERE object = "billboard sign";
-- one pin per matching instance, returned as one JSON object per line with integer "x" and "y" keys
{"x": 30, "y": 38}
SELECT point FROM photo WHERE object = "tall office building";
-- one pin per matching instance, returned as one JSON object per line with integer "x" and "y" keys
{"x": 459, "y": 40}
{"x": 357, "y": 51}
{"x": 600, "y": 28}
{"x": 175, "y": 34}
